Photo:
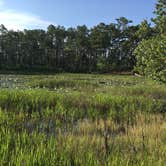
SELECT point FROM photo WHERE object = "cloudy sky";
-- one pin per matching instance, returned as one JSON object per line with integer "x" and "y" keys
{"x": 21, "y": 14}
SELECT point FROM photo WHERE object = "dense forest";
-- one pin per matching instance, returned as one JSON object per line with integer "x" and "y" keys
{"x": 110, "y": 47}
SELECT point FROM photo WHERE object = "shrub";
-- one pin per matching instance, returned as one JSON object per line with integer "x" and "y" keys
{"x": 151, "y": 58}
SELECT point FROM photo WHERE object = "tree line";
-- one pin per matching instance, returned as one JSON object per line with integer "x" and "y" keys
{"x": 103, "y": 48}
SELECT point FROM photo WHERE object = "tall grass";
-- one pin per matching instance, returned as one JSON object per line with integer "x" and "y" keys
{"x": 141, "y": 144}
{"x": 83, "y": 120}
{"x": 76, "y": 104}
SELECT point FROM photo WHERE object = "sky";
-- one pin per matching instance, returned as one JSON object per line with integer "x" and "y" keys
{"x": 38, "y": 14}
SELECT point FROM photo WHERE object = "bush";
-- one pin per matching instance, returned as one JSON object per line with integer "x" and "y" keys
{"x": 151, "y": 58}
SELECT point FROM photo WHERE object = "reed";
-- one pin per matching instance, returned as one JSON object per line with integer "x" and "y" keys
{"x": 87, "y": 120}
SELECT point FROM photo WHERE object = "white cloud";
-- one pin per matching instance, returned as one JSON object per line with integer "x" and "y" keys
{"x": 18, "y": 21}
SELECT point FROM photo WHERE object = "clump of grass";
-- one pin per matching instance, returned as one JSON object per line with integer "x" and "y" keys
{"x": 64, "y": 83}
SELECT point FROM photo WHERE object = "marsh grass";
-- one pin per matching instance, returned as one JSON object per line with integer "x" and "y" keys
{"x": 87, "y": 120}
{"x": 140, "y": 144}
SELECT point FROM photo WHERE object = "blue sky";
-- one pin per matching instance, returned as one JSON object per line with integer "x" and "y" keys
{"x": 20, "y": 14}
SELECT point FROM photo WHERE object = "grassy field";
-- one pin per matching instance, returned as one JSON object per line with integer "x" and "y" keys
{"x": 82, "y": 120}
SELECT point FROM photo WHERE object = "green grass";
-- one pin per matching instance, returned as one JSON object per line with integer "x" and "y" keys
{"x": 82, "y": 119}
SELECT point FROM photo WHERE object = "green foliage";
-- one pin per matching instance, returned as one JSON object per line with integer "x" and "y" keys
{"x": 151, "y": 51}
{"x": 151, "y": 58}
{"x": 145, "y": 31}
{"x": 160, "y": 20}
